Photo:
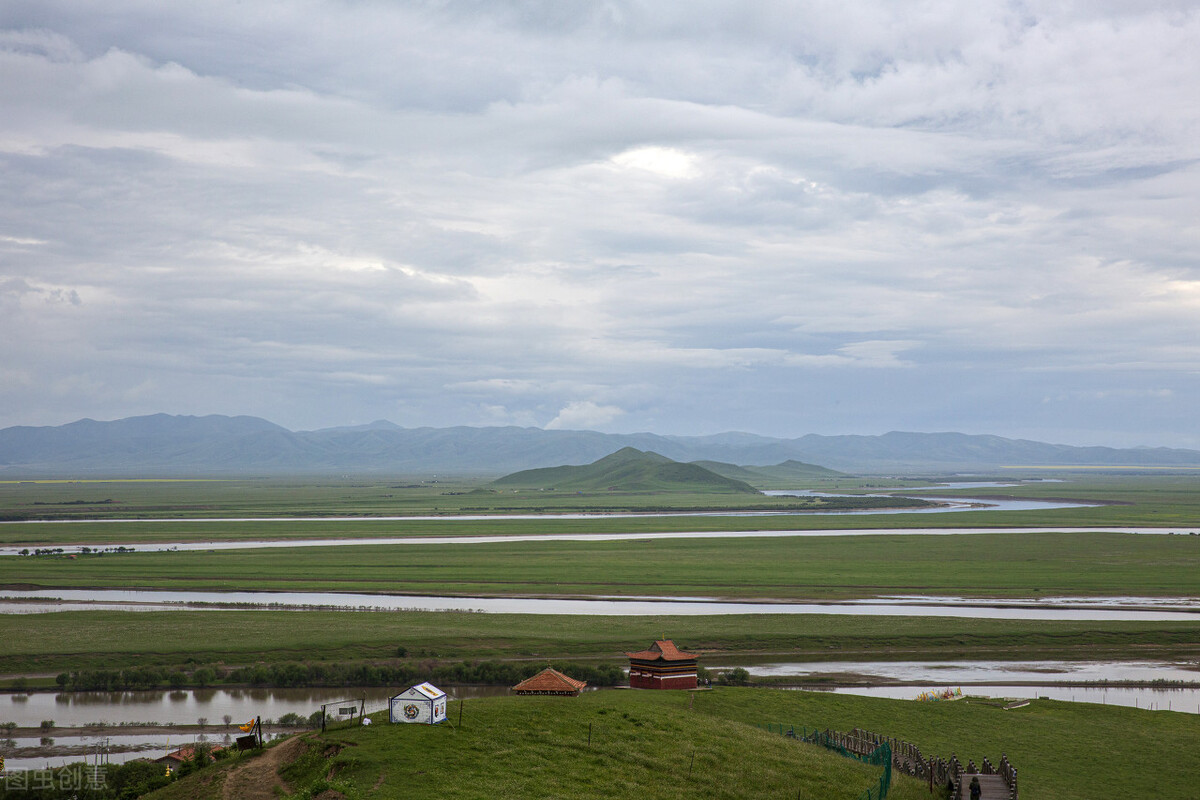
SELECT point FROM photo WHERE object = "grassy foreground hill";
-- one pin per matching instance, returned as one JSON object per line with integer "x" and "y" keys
{"x": 627, "y": 470}
{"x": 666, "y": 745}
{"x": 611, "y": 744}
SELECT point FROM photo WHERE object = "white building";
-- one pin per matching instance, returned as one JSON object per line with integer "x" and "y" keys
{"x": 424, "y": 703}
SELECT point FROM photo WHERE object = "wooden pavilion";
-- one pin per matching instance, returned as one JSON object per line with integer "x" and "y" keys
{"x": 550, "y": 681}
{"x": 662, "y": 666}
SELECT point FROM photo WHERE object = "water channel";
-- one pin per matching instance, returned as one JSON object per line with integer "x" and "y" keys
{"x": 256, "y": 544}
{"x": 1074, "y": 608}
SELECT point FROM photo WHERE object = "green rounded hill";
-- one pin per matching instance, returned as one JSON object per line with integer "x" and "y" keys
{"x": 627, "y": 470}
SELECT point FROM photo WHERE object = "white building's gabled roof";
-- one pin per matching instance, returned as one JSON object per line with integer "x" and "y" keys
{"x": 422, "y": 691}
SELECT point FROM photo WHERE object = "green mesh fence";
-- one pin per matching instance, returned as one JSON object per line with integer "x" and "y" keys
{"x": 880, "y": 756}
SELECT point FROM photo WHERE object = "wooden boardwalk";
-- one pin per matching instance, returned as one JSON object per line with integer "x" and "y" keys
{"x": 993, "y": 787}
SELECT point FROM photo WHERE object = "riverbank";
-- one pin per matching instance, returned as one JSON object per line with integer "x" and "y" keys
{"x": 115, "y": 640}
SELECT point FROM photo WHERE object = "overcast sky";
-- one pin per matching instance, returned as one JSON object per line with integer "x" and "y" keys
{"x": 680, "y": 217}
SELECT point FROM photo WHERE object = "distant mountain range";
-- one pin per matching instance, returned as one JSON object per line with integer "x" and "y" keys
{"x": 164, "y": 445}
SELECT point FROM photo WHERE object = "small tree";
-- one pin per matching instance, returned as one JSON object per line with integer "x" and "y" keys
{"x": 227, "y": 719}
{"x": 47, "y": 724}
{"x": 735, "y": 677}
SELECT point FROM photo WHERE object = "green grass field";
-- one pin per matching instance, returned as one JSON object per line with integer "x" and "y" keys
{"x": 793, "y": 568}
{"x": 642, "y": 744}
{"x": 51, "y": 643}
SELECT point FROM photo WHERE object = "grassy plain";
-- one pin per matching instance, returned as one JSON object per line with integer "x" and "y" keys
{"x": 1010, "y": 565}
{"x": 642, "y": 744}
{"x": 1150, "y": 499}
{"x": 73, "y": 640}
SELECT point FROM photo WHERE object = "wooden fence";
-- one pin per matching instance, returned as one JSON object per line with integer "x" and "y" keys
{"x": 908, "y": 758}
{"x": 880, "y": 755}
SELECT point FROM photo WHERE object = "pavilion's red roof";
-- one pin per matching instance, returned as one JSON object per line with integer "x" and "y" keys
{"x": 662, "y": 650}
{"x": 550, "y": 680}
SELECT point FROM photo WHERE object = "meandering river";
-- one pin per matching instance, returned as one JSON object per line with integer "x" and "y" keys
{"x": 1075, "y": 608}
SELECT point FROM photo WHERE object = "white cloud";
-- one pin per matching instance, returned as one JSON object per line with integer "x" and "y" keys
{"x": 665, "y": 161}
{"x": 583, "y": 414}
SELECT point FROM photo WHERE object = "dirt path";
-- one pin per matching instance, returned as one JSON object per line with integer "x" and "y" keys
{"x": 257, "y": 779}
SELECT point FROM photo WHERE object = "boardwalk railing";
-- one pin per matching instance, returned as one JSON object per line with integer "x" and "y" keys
{"x": 905, "y": 757}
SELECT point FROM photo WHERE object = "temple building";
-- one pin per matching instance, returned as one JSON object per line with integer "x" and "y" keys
{"x": 663, "y": 666}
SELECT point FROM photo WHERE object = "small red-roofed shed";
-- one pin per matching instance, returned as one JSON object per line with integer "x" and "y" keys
{"x": 662, "y": 666}
{"x": 550, "y": 681}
